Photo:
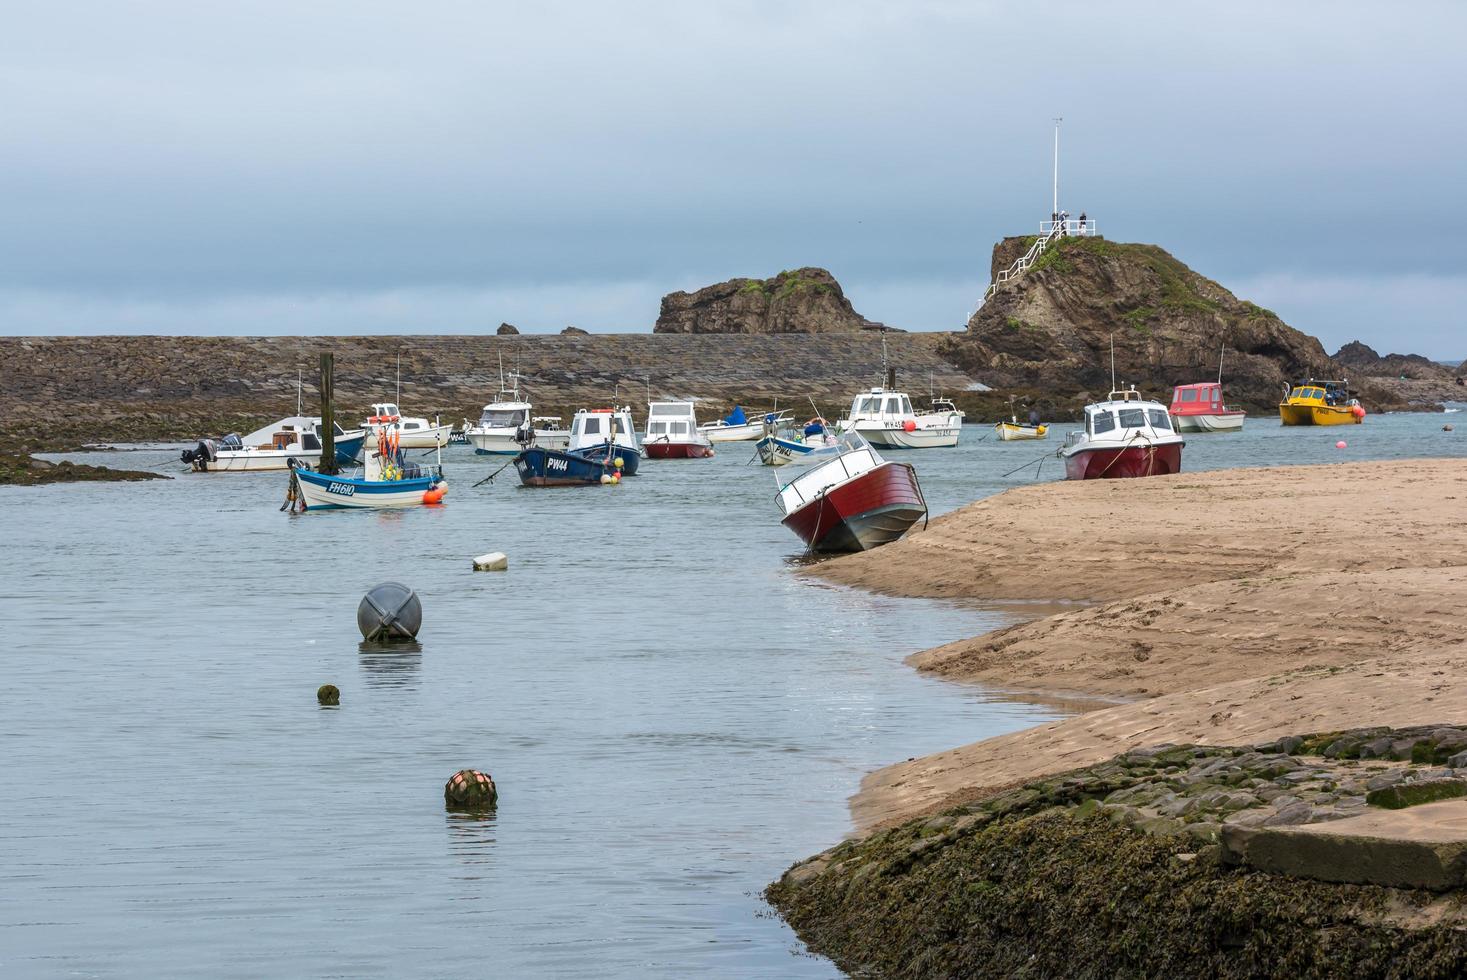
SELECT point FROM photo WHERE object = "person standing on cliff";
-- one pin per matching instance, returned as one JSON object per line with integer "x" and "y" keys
{"x": 1082, "y": 222}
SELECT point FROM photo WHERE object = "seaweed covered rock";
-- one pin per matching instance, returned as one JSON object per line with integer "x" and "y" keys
{"x": 1123, "y": 869}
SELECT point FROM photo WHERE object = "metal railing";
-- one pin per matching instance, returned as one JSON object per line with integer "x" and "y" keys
{"x": 1048, "y": 232}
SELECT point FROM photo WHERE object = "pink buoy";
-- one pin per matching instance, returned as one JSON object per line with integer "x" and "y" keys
{"x": 1340, "y": 445}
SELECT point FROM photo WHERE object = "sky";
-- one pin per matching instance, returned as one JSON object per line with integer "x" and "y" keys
{"x": 321, "y": 166}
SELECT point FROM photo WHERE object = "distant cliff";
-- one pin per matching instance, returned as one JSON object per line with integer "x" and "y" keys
{"x": 1363, "y": 359}
{"x": 805, "y": 300}
{"x": 1050, "y": 330}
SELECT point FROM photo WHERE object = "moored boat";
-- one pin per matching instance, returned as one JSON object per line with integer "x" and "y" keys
{"x": 386, "y": 479}
{"x": 780, "y": 448}
{"x": 1125, "y": 436}
{"x": 885, "y": 418}
{"x": 605, "y": 434}
{"x": 853, "y": 502}
{"x": 1015, "y": 430}
{"x": 541, "y": 467}
{"x": 1321, "y": 403}
{"x": 672, "y": 432}
{"x": 1200, "y": 408}
{"x": 415, "y": 433}
{"x": 272, "y": 447}
{"x": 505, "y": 424}
{"x": 738, "y": 427}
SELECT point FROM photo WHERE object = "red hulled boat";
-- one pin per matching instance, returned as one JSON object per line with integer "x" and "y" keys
{"x": 1125, "y": 436}
{"x": 672, "y": 432}
{"x": 853, "y": 502}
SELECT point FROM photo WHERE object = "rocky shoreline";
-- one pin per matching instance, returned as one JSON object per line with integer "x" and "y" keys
{"x": 1259, "y": 683}
{"x": 25, "y": 470}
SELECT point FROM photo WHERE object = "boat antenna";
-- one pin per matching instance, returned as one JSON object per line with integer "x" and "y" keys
{"x": 297, "y": 391}
{"x": 399, "y": 381}
{"x": 1220, "y": 354}
{"x": 1112, "y": 362}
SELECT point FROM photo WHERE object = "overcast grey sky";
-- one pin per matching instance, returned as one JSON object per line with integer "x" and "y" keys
{"x": 426, "y": 166}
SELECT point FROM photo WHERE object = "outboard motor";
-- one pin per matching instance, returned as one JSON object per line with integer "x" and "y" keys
{"x": 200, "y": 456}
{"x": 525, "y": 434}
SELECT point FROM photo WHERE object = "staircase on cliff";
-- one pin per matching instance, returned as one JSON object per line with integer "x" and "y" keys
{"x": 1049, "y": 232}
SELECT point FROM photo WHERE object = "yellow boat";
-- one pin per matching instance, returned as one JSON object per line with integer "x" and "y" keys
{"x": 1010, "y": 431}
{"x": 1320, "y": 403}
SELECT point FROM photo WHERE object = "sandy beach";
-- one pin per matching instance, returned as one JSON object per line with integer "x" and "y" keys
{"x": 1221, "y": 608}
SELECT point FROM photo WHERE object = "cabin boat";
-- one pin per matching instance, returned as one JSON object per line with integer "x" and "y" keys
{"x": 854, "y": 502}
{"x": 885, "y": 418}
{"x": 386, "y": 479}
{"x": 272, "y": 447}
{"x": 1200, "y": 408}
{"x": 416, "y": 433}
{"x": 502, "y": 428}
{"x": 738, "y": 427}
{"x": 1125, "y": 436}
{"x": 606, "y": 434}
{"x": 1321, "y": 403}
{"x": 672, "y": 432}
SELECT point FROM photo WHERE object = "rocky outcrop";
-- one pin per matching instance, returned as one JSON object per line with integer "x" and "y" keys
{"x": 1363, "y": 360}
{"x": 1051, "y": 329}
{"x": 1161, "y": 862}
{"x": 576, "y": 332}
{"x": 507, "y": 329}
{"x": 805, "y": 300}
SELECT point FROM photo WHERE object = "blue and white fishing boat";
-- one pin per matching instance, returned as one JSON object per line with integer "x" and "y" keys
{"x": 817, "y": 442}
{"x": 541, "y": 467}
{"x": 606, "y": 434}
{"x": 385, "y": 480}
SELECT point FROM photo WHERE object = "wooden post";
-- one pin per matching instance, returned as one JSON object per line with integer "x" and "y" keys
{"x": 328, "y": 415}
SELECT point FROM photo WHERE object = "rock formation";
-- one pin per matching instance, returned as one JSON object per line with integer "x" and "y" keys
{"x": 506, "y": 329}
{"x": 805, "y": 300}
{"x": 1363, "y": 360}
{"x": 1050, "y": 330}
{"x": 577, "y": 331}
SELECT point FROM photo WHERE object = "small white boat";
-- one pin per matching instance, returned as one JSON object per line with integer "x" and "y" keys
{"x": 505, "y": 424}
{"x": 416, "y": 433}
{"x": 783, "y": 447}
{"x": 606, "y": 434}
{"x": 1125, "y": 436}
{"x": 386, "y": 479}
{"x": 272, "y": 447}
{"x": 885, "y": 418}
{"x": 738, "y": 427}
{"x": 673, "y": 433}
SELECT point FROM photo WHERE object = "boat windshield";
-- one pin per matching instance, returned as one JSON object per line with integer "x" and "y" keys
{"x": 1100, "y": 421}
{"x": 1159, "y": 419}
{"x": 1132, "y": 418}
{"x": 502, "y": 417}
{"x": 1186, "y": 395}
{"x": 868, "y": 405}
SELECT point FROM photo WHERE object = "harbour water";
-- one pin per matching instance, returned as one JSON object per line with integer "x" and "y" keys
{"x": 672, "y": 713}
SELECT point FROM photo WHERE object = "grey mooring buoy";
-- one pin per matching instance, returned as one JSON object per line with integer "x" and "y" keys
{"x": 390, "y": 611}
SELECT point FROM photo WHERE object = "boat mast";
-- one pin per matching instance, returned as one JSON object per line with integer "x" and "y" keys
{"x": 298, "y": 405}
{"x": 1112, "y": 362}
{"x": 1223, "y": 350}
{"x": 398, "y": 394}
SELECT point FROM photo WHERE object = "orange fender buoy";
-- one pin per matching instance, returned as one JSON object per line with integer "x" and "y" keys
{"x": 909, "y": 426}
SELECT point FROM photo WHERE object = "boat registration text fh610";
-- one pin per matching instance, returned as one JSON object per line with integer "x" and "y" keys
{"x": 344, "y": 489}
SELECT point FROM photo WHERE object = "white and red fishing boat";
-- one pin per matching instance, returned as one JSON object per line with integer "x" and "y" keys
{"x": 1200, "y": 408}
{"x": 1124, "y": 436}
{"x": 853, "y": 502}
{"x": 672, "y": 432}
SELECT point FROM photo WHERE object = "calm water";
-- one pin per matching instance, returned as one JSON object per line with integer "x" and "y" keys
{"x": 672, "y": 714}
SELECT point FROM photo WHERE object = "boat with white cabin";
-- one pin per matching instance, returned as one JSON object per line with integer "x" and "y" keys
{"x": 1125, "y": 436}
{"x": 672, "y": 432}
{"x": 505, "y": 424}
{"x": 414, "y": 433}
{"x": 885, "y": 418}
{"x": 606, "y": 435}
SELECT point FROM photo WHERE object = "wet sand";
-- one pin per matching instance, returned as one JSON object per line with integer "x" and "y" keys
{"x": 1230, "y": 606}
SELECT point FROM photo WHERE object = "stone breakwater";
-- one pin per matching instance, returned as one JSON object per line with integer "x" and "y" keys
{"x": 1169, "y": 860}
{"x": 64, "y": 391}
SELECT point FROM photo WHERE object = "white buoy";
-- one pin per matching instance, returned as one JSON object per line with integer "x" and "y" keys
{"x": 495, "y": 561}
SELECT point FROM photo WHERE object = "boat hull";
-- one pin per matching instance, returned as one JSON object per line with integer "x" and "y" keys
{"x": 1013, "y": 432}
{"x": 629, "y": 457}
{"x": 876, "y": 508}
{"x": 501, "y": 442}
{"x": 319, "y": 492}
{"x": 1215, "y": 422}
{"x": 1318, "y": 415}
{"x": 540, "y": 467}
{"x": 733, "y": 433}
{"x": 774, "y": 451}
{"x": 1131, "y": 461}
{"x": 261, "y": 460}
{"x": 433, "y": 437}
{"x": 677, "y": 450}
{"x": 897, "y": 437}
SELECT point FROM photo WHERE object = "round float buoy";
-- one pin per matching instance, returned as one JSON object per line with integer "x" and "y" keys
{"x": 618, "y": 462}
{"x": 470, "y": 789}
{"x": 390, "y": 611}
{"x": 1358, "y": 411}
{"x": 1341, "y": 444}
{"x": 909, "y": 426}
{"x": 615, "y": 479}
{"x": 434, "y": 495}
{"x": 605, "y": 478}
{"x": 328, "y": 694}
{"x": 1447, "y": 427}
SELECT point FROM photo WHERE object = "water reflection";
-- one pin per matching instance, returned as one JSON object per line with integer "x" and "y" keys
{"x": 391, "y": 664}
{"x": 471, "y": 837}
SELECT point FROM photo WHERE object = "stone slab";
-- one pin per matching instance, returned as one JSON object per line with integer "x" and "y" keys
{"x": 1420, "y": 847}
